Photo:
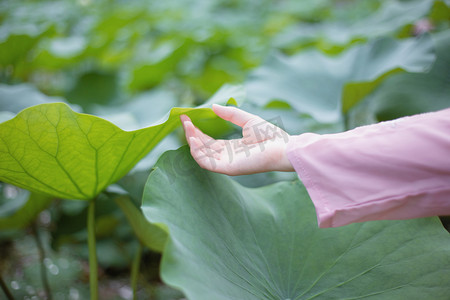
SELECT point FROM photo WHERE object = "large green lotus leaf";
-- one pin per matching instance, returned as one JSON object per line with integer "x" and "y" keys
{"x": 230, "y": 242}
{"x": 313, "y": 83}
{"x": 51, "y": 149}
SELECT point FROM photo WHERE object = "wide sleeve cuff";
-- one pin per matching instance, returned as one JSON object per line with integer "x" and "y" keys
{"x": 392, "y": 170}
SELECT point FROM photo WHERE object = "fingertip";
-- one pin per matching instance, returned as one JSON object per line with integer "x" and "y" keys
{"x": 184, "y": 118}
{"x": 219, "y": 106}
{"x": 220, "y": 110}
{"x": 234, "y": 115}
{"x": 216, "y": 107}
{"x": 189, "y": 127}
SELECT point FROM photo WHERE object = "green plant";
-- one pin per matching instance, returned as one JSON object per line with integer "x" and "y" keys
{"x": 50, "y": 149}
{"x": 264, "y": 243}
{"x": 315, "y": 66}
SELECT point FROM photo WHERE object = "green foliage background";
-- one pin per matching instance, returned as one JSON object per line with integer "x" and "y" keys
{"x": 314, "y": 65}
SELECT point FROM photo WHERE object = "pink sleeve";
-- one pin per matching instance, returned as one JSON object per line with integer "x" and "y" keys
{"x": 391, "y": 170}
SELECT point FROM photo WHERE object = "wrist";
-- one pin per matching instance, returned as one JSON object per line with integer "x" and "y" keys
{"x": 286, "y": 165}
{"x": 283, "y": 163}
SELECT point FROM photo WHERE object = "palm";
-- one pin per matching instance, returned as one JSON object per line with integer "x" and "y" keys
{"x": 260, "y": 149}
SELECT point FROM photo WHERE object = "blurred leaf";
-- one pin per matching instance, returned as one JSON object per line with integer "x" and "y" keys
{"x": 334, "y": 37}
{"x": 15, "y": 47}
{"x": 27, "y": 213}
{"x": 12, "y": 198}
{"x": 113, "y": 253}
{"x": 230, "y": 242}
{"x": 440, "y": 13}
{"x": 162, "y": 62}
{"x": 133, "y": 184}
{"x": 212, "y": 77}
{"x": 409, "y": 94}
{"x": 142, "y": 110}
{"x": 16, "y": 42}
{"x": 63, "y": 270}
{"x": 307, "y": 9}
{"x": 237, "y": 91}
{"x": 50, "y": 149}
{"x": 106, "y": 225}
{"x": 67, "y": 47}
{"x": 150, "y": 235}
{"x": 313, "y": 83}
{"x": 354, "y": 92}
{"x": 93, "y": 88}
{"x": 60, "y": 53}
{"x": 70, "y": 223}
{"x": 14, "y": 98}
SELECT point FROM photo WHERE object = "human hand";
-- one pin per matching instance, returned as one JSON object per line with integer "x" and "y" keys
{"x": 262, "y": 147}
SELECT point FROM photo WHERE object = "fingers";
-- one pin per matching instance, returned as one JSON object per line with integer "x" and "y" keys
{"x": 205, "y": 157}
{"x": 184, "y": 118}
{"x": 204, "y": 149}
{"x": 192, "y": 131}
{"x": 233, "y": 114}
